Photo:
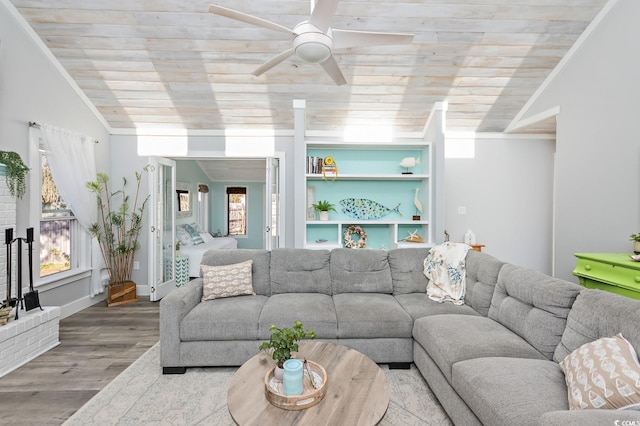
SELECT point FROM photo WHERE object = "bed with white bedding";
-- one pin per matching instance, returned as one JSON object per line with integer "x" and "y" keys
{"x": 197, "y": 243}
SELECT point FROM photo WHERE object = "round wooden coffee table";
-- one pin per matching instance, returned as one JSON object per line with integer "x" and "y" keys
{"x": 357, "y": 390}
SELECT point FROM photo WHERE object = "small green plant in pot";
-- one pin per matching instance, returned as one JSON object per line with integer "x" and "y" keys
{"x": 284, "y": 340}
{"x": 324, "y": 207}
{"x": 636, "y": 242}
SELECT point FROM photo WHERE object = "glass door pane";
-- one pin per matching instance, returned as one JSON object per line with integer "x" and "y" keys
{"x": 162, "y": 256}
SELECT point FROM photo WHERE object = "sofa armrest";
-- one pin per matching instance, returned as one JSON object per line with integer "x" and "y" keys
{"x": 590, "y": 418}
{"x": 173, "y": 309}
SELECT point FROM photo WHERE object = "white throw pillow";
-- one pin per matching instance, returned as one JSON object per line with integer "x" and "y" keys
{"x": 207, "y": 237}
{"x": 604, "y": 373}
{"x": 227, "y": 280}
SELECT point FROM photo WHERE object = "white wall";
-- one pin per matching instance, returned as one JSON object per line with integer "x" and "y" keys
{"x": 126, "y": 163}
{"x": 32, "y": 89}
{"x": 506, "y": 188}
{"x": 598, "y": 141}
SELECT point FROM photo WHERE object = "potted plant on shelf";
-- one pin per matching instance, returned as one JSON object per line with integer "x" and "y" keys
{"x": 282, "y": 342}
{"x": 16, "y": 172}
{"x": 636, "y": 242}
{"x": 117, "y": 231}
{"x": 324, "y": 207}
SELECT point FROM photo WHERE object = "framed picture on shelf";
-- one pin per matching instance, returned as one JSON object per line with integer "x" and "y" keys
{"x": 311, "y": 200}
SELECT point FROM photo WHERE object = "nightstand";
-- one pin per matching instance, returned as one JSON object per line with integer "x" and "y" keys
{"x": 182, "y": 270}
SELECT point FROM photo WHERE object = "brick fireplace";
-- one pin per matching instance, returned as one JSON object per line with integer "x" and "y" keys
{"x": 35, "y": 331}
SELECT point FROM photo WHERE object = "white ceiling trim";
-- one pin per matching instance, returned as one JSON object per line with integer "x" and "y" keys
{"x": 497, "y": 135}
{"x": 192, "y": 132}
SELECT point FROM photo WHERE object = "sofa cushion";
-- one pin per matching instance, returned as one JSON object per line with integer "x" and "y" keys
{"x": 603, "y": 374}
{"x": 226, "y": 280}
{"x": 419, "y": 305}
{"x": 233, "y": 318}
{"x": 510, "y": 391}
{"x": 533, "y": 305}
{"x": 482, "y": 276}
{"x": 406, "y": 267}
{"x": 597, "y": 314}
{"x": 259, "y": 269}
{"x": 360, "y": 271}
{"x": 369, "y": 316}
{"x": 300, "y": 271}
{"x": 452, "y": 338}
{"x": 315, "y": 311}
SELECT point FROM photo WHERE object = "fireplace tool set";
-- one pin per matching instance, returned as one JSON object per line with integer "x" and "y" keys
{"x": 31, "y": 299}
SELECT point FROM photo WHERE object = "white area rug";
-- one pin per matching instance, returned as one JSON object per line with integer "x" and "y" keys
{"x": 141, "y": 395}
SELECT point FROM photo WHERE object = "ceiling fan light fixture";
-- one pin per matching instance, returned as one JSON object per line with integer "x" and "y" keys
{"x": 313, "y": 53}
{"x": 312, "y": 47}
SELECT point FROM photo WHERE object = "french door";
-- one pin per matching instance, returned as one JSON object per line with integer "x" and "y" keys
{"x": 162, "y": 235}
{"x": 273, "y": 231}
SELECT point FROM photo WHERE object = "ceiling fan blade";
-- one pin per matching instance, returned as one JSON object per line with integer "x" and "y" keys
{"x": 249, "y": 19}
{"x": 273, "y": 62}
{"x": 322, "y": 13}
{"x": 343, "y": 39}
{"x": 332, "y": 68}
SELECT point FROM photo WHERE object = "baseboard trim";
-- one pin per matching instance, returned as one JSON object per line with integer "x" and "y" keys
{"x": 81, "y": 304}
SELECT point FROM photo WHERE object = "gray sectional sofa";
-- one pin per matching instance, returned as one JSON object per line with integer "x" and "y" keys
{"x": 493, "y": 360}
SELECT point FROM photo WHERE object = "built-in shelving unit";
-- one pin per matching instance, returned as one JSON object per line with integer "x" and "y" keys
{"x": 370, "y": 168}
{"x": 371, "y": 171}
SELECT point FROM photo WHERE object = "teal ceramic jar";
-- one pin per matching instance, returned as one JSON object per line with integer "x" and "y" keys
{"x": 292, "y": 378}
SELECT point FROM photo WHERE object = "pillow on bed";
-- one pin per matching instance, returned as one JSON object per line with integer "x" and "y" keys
{"x": 183, "y": 235}
{"x": 188, "y": 235}
{"x": 207, "y": 237}
{"x": 226, "y": 280}
{"x": 196, "y": 227}
{"x": 195, "y": 236}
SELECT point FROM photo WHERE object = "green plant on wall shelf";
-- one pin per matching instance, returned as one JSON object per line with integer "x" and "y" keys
{"x": 16, "y": 173}
{"x": 323, "y": 206}
{"x": 118, "y": 226}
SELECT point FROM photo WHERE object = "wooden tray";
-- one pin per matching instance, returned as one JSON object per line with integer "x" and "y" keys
{"x": 310, "y": 395}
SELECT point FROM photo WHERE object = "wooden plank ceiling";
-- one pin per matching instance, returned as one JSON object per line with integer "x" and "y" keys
{"x": 171, "y": 64}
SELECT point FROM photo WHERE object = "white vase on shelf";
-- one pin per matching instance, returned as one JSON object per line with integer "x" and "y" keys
{"x": 324, "y": 215}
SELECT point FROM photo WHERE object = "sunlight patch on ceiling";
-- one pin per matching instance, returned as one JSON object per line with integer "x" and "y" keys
{"x": 250, "y": 143}
{"x": 373, "y": 133}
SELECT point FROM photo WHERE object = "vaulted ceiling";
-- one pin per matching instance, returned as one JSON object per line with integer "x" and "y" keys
{"x": 171, "y": 64}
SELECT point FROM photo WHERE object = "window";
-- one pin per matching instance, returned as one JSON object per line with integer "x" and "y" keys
{"x": 58, "y": 227}
{"x": 237, "y": 210}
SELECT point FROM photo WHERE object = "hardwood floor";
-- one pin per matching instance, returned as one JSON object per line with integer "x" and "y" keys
{"x": 96, "y": 345}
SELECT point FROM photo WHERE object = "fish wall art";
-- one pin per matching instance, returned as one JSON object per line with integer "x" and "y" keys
{"x": 364, "y": 209}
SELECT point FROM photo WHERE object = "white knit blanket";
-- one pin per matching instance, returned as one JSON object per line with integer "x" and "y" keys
{"x": 444, "y": 267}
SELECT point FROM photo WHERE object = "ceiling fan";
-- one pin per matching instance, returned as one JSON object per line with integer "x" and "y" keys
{"x": 314, "y": 40}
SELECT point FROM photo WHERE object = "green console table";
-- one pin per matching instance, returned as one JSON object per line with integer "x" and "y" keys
{"x": 614, "y": 272}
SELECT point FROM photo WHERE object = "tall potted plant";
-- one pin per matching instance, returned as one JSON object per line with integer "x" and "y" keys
{"x": 117, "y": 231}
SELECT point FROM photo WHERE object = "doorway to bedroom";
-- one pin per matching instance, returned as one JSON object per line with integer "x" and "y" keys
{"x": 235, "y": 198}
{"x": 200, "y": 218}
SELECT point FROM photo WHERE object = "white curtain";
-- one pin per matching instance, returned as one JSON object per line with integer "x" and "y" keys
{"x": 72, "y": 164}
